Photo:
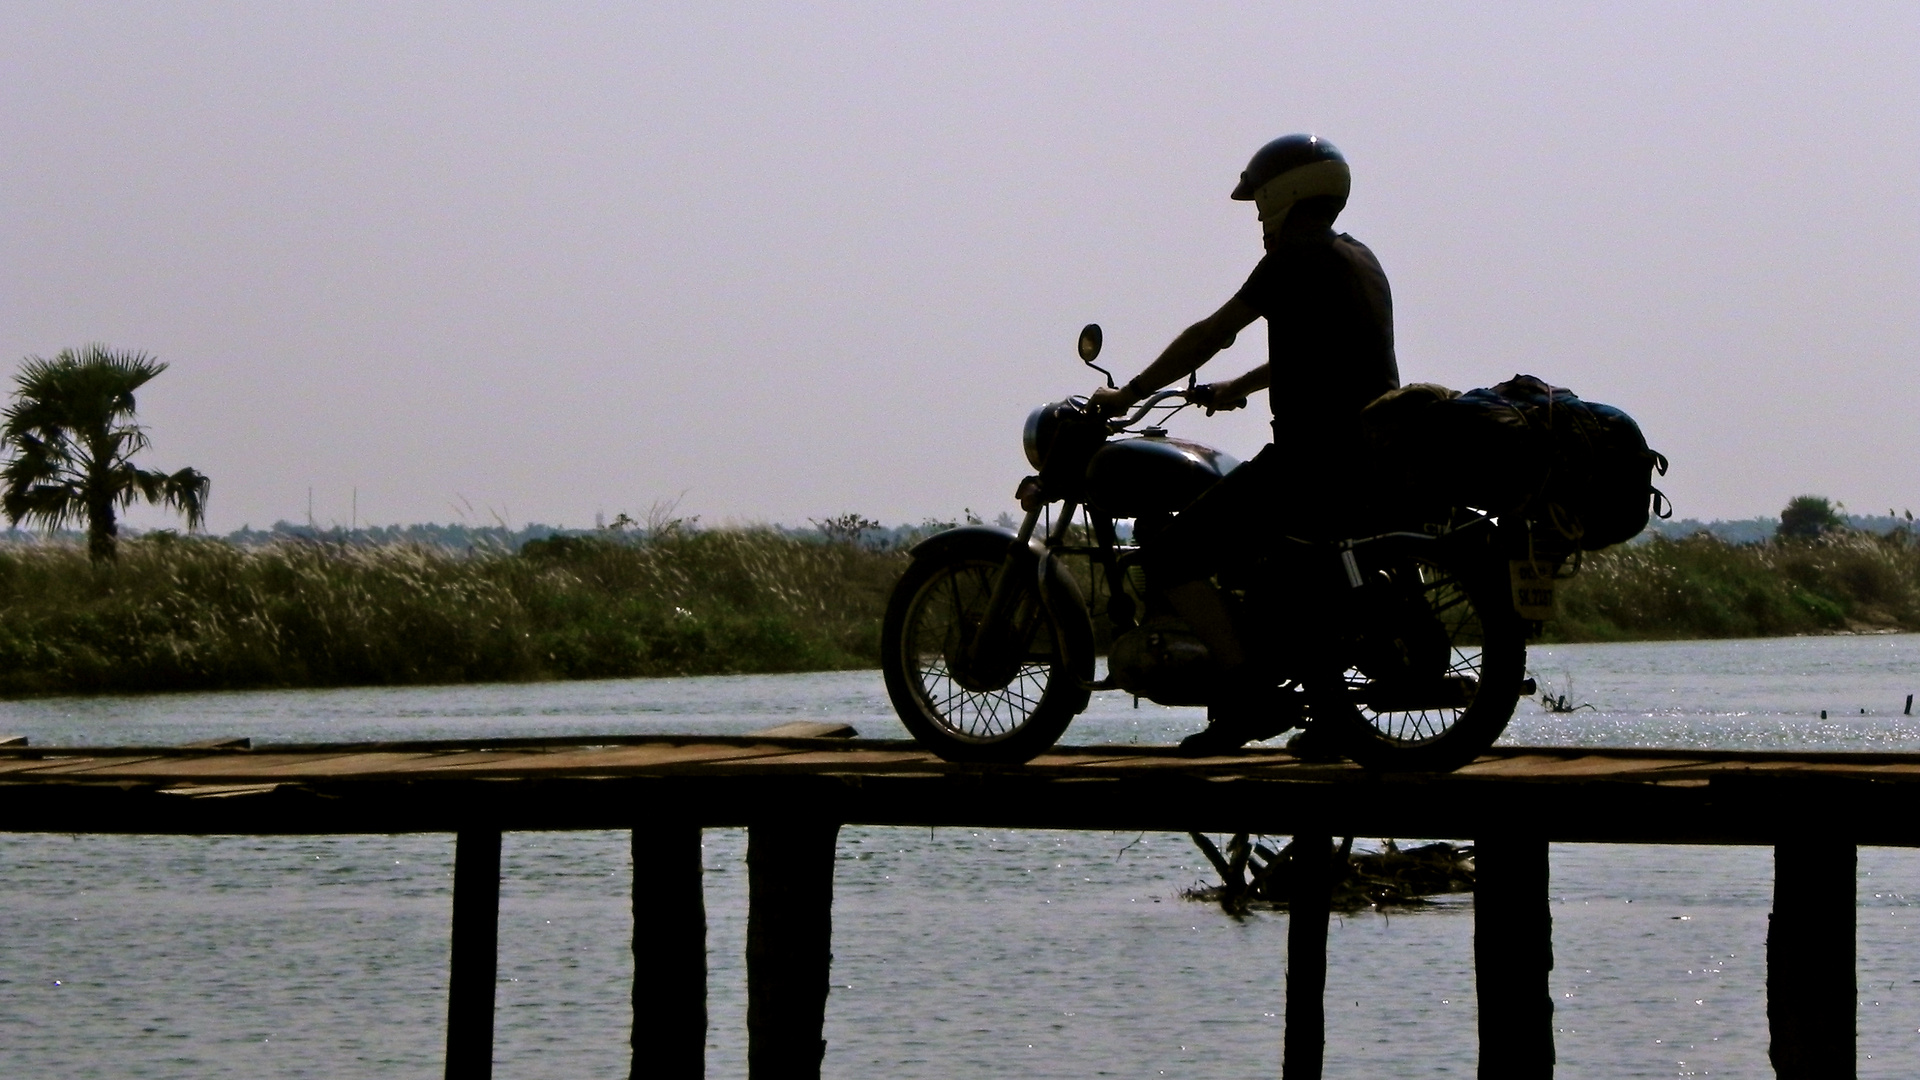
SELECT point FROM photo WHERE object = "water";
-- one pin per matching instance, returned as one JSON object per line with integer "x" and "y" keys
{"x": 957, "y": 952}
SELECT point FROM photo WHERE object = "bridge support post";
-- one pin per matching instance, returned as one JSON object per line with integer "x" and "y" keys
{"x": 476, "y": 954}
{"x": 669, "y": 955}
{"x": 1308, "y": 904}
{"x": 1811, "y": 989}
{"x": 789, "y": 946}
{"x": 1512, "y": 954}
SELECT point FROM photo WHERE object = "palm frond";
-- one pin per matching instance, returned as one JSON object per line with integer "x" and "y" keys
{"x": 51, "y": 505}
{"x": 187, "y": 492}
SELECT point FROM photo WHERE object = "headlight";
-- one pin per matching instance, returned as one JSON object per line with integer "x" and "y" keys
{"x": 1030, "y": 439}
{"x": 1042, "y": 423}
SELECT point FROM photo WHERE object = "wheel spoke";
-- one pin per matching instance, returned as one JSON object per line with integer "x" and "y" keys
{"x": 1451, "y": 606}
{"x": 949, "y": 612}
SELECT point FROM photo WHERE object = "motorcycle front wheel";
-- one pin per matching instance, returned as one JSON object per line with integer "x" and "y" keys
{"x": 1460, "y": 700}
{"x": 1001, "y": 701}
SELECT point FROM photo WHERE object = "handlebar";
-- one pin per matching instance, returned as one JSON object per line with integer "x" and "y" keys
{"x": 1148, "y": 404}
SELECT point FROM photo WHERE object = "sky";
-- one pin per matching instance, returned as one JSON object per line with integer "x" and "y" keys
{"x": 776, "y": 262}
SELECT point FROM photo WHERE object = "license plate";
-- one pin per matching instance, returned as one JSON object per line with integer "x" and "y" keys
{"x": 1532, "y": 589}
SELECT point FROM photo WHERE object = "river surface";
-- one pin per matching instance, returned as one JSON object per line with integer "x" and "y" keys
{"x": 957, "y": 953}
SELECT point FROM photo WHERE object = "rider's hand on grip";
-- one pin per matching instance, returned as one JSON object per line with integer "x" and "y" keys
{"x": 1110, "y": 401}
{"x": 1214, "y": 397}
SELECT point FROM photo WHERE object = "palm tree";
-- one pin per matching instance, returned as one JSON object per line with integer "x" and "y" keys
{"x": 73, "y": 438}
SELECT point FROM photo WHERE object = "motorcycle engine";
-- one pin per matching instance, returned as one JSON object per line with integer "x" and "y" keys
{"x": 1162, "y": 661}
{"x": 1406, "y": 643}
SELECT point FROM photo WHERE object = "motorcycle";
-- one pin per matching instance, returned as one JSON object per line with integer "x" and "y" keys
{"x": 1406, "y": 646}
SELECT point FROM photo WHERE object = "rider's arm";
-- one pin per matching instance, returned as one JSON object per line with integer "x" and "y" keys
{"x": 1196, "y": 345}
{"x": 1232, "y": 394}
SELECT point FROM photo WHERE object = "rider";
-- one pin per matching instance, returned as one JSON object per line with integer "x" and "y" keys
{"x": 1330, "y": 339}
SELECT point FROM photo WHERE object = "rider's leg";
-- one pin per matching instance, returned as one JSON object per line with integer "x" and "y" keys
{"x": 1244, "y": 705}
{"x": 1225, "y": 526}
{"x": 1200, "y": 605}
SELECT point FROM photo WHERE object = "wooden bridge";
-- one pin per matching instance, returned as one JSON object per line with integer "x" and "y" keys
{"x": 792, "y": 790}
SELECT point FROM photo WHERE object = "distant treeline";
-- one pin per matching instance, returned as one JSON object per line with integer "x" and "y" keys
{"x": 1761, "y": 529}
{"x": 463, "y": 537}
{"x": 502, "y": 538}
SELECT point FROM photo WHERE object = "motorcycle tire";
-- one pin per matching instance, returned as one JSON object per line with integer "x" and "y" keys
{"x": 1003, "y": 712}
{"x": 1486, "y": 643}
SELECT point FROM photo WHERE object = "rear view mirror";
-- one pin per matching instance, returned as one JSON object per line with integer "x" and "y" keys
{"x": 1090, "y": 339}
{"x": 1090, "y": 348}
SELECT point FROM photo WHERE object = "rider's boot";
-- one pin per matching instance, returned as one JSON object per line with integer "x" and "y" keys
{"x": 1245, "y": 708}
{"x": 1313, "y": 744}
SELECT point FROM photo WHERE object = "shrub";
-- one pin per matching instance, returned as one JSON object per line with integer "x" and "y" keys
{"x": 1701, "y": 587}
{"x": 175, "y": 614}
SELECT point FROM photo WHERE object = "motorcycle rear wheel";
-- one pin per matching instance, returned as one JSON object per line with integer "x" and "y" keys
{"x": 1485, "y": 663}
{"x": 1006, "y": 710}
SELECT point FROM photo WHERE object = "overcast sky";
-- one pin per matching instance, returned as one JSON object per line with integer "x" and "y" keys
{"x": 536, "y": 262}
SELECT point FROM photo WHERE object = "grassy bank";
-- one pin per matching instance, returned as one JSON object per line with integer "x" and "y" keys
{"x": 202, "y": 614}
{"x": 1701, "y": 587}
{"x": 180, "y": 614}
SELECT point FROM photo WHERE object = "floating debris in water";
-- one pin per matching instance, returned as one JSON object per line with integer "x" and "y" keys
{"x": 1252, "y": 873}
{"x": 1563, "y": 701}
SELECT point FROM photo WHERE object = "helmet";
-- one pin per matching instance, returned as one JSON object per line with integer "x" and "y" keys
{"x": 1289, "y": 169}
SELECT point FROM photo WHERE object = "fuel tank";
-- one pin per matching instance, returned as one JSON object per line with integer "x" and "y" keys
{"x": 1153, "y": 474}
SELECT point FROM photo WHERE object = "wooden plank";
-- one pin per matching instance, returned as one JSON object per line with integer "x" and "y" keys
{"x": 236, "y": 767}
{"x": 25, "y": 765}
{"x": 1882, "y": 770}
{"x": 1748, "y": 810}
{"x": 452, "y": 762}
{"x": 344, "y": 766}
{"x": 1309, "y": 904}
{"x": 734, "y": 756}
{"x": 1167, "y": 764}
{"x": 1829, "y": 757}
{"x": 1811, "y": 989}
{"x": 669, "y": 954}
{"x": 838, "y": 761}
{"x": 1513, "y": 956}
{"x": 808, "y": 729}
{"x": 609, "y": 761}
{"x": 789, "y": 946}
{"x": 70, "y": 766}
{"x": 566, "y": 742}
{"x": 219, "y": 791}
{"x": 1812, "y": 771}
{"x": 1669, "y": 798}
{"x": 1584, "y": 765}
{"x": 1123, "y": 757}
{"x": 1263, "y": 755}
{"x": 476, "y": 954}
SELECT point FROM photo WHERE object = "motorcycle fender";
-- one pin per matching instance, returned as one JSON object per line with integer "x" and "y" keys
{"x": 1058, "y": 590}
{"x": 989, "y": 541}
{"x": 1061, "y": 595}
{"x": 1471, "y": 553}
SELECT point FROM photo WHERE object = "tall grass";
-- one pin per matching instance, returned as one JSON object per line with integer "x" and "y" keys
{"x": 1700, "y": 587}
{"x": 201, "y": 614}
{"x": 178, "y": 614}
